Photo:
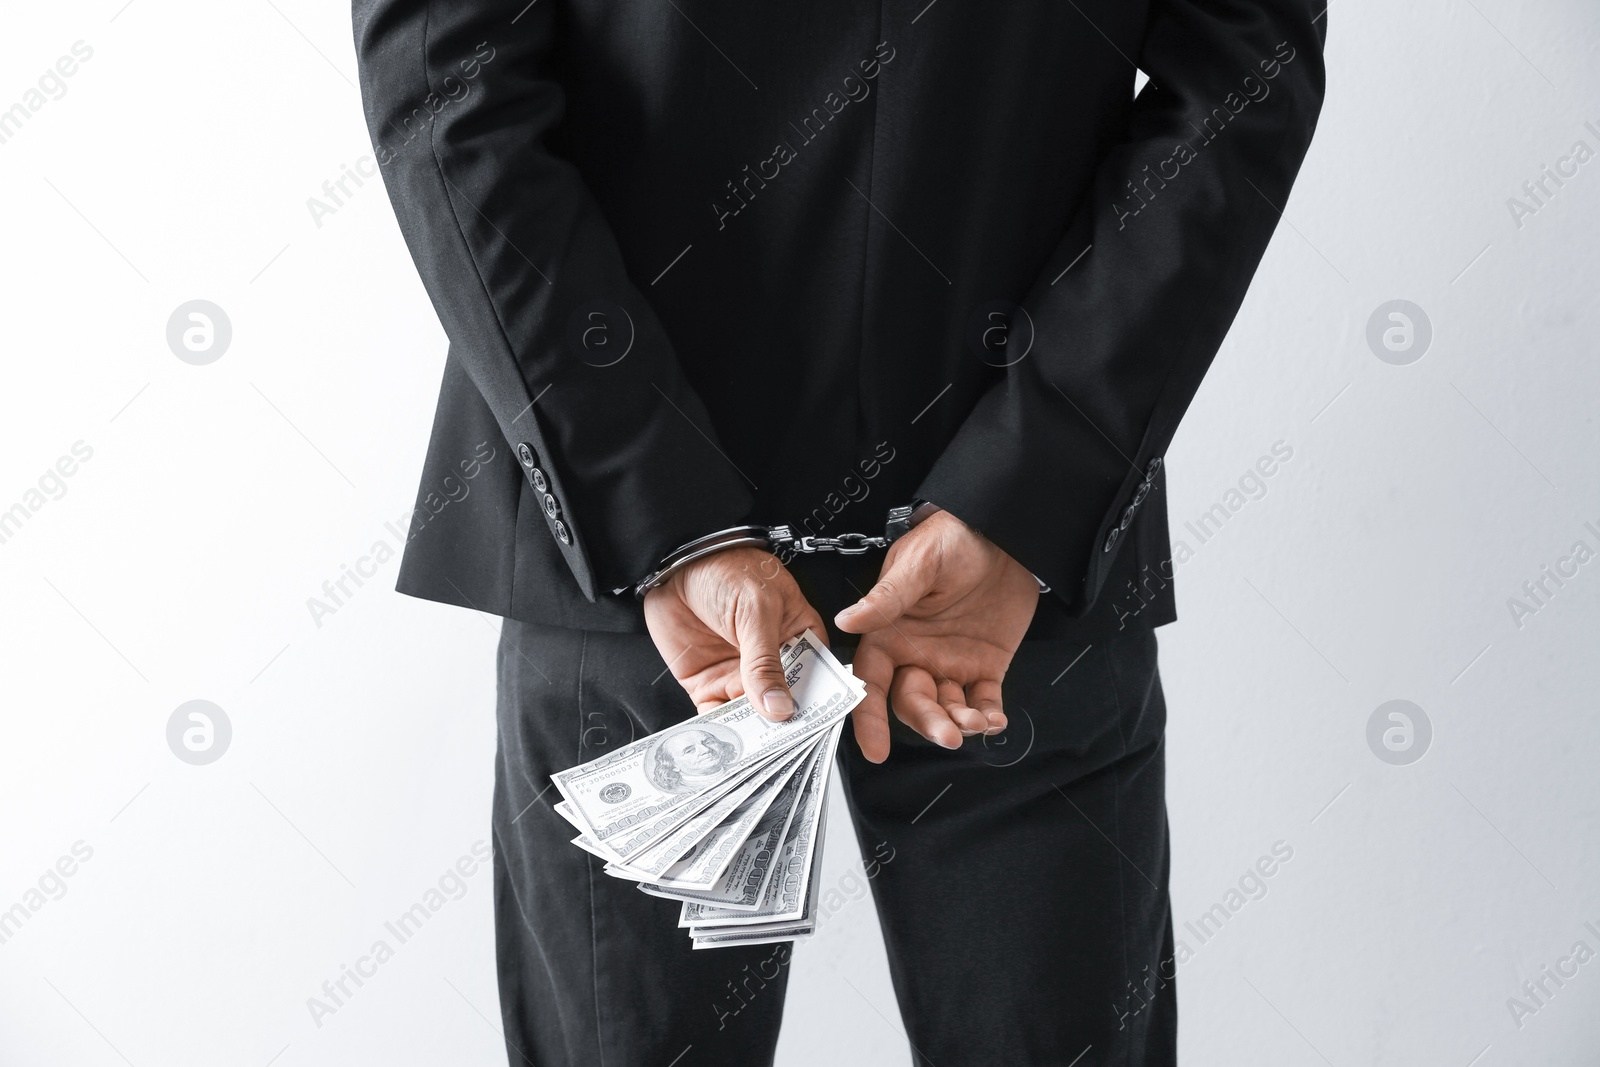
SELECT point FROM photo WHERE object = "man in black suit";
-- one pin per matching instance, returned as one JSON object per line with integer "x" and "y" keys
{"x": 706, "y": 264}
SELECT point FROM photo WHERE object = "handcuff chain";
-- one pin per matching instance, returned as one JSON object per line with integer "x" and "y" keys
{"x": 781, "y": 540}
{"x": 846, "y": 544}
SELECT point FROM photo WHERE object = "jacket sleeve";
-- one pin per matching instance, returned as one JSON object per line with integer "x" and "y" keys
{"x": 530, "y": 284}
{"x": 1055, "y": 459}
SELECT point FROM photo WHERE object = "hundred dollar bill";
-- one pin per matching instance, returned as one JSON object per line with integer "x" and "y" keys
{"x": 667, "y": 830}
{"x": 785, "y": 896}
{"x": 766, "y": 933}
{"x": 679, "y": 841}
{"x": 725, "y": 939}
{"x": 695, "y": 853}
{"x": 746, "y": 877}
{"x": 563, "y": 809}
{"x": 758, "y": 935}
{"x": 679, "y": 829}
{"x": 703, "y": 866}
{"x": 590, "y": 847}
{"x": 693, "y": 824}
{"x": 621, "y": 798}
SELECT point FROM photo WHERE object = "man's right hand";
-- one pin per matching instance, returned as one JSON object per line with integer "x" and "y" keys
{"x": 719, "y": 623}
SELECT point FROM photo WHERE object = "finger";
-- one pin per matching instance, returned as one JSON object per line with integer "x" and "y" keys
{"x": 804, "y": 617}
{"x": 757, "y": 625}
{"x": 711, "y": 689}
{"x": 871, "y": 717}
{"x": 797, "y": 612}
{"x": 985, "y": 696}
{"x": 954, "y": 700}
{"x": 913, "y": 697}
{"x": 907, "y": 577}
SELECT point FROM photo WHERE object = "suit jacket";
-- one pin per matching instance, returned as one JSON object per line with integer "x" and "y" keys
{"x": 704, "y": 262}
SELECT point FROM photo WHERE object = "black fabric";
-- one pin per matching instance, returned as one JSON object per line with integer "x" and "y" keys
{"x": 807, "y": 227}
{"x": 1021, "y": 881}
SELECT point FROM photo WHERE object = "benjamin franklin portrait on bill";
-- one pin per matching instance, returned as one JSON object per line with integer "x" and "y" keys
{"x": 692, "y": 758}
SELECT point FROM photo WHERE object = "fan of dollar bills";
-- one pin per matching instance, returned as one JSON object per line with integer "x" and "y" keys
{"x": 726, "y": 811}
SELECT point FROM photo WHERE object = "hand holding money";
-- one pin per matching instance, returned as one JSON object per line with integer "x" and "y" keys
{"x": 718, "y": 624}
{"x": 724, "y": 812}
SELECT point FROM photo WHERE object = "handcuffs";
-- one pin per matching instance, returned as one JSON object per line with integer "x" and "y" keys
{"x": 782, "y": 541}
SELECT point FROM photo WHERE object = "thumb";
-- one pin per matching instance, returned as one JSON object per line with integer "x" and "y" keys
{"x": 760, "y": 668}
{"x": 906, "y": 579}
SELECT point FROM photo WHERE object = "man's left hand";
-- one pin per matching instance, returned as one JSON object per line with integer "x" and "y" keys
{"x": 940, "y": 628}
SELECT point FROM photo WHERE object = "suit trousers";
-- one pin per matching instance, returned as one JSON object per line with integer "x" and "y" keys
{"x": 1020, "y": 880}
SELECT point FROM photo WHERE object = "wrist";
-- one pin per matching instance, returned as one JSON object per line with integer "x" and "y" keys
{"x": 692, "y": 552}
{"x": 742, "y": 565}
{"x": 781, "y": 539}
{"x": 949, "y": 523}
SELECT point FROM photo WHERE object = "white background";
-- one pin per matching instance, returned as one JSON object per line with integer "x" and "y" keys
{"x": 178, "y": 563}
